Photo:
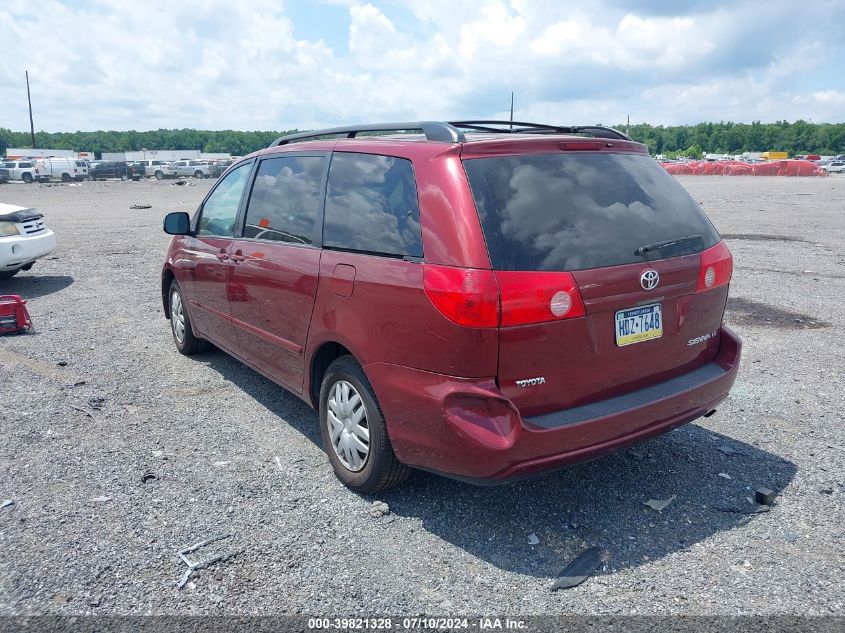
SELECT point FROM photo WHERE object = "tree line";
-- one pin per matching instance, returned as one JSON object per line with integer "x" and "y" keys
{"x": 232, "y": 142}
{"x": 800, "y": 137}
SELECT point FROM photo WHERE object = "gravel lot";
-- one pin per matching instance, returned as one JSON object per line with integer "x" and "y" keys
{"x": 98, "y": 401}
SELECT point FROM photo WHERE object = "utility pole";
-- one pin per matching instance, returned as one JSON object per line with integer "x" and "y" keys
{"x": 29, "y": 100}
{"x": 628, "y": 124}
{"x": 511, "y": 110}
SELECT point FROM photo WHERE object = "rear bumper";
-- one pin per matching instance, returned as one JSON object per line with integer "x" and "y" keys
{"x": 466, "y": 428}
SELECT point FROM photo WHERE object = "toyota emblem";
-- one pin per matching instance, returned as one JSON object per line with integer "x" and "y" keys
{"x": 649, "y": 279}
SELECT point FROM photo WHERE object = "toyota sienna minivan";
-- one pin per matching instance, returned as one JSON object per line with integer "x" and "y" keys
{"x": 486, "y": 300}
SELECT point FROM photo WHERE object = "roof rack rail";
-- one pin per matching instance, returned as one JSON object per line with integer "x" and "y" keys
{"x": 433, "y": 131}
{"x": 521, "y": 127}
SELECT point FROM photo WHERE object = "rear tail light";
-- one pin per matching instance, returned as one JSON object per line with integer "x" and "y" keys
{"x": 715, "y": 268}
{"x": 466, "y": 296}
{"x": 538, "y": 297}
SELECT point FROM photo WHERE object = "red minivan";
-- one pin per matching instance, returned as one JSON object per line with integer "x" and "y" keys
{"x": 486, "y": 300}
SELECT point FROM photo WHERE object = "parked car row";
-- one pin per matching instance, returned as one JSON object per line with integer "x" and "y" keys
{"x": 70, "y": 169}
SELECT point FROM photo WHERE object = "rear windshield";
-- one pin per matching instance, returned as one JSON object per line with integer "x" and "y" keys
{"x": 586, "y": 210}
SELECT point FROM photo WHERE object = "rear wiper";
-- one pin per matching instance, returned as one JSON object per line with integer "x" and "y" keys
{"x": 642, "y": 250}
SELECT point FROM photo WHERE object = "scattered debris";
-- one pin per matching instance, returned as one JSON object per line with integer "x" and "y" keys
{"x": 141, "y": 206}
{"x": 579, "y": 569}
{"x": 7, "y": 503}
{"x": 724, "y": 475}
{"x": 197, "y": 565}
{"x": 532, "y": 539}
{"x": 660, "y": 504}
{"x": 279, "y": 463}
{"x": 826, "y": 491}
{"x": 734, "y": 510}
{"x": 158, "y": 454}
{"x": 180, "y": 183}
{"x": 727, "y": 450}
{"x": 87, "y": 412}
{"x": 636, "y": 454}
{"x": 101, "y": 499}
{"x": 764, "y": 496}
{"x": 96, "y": 403}
{"x": 62, "y": 363}
{"x": 379, "y": 509}
{"x": 221, "y": 463}
{"x": 148, "y": 477}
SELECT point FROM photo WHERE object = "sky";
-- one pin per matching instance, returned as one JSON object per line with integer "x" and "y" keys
{"x": 279, "y": 65}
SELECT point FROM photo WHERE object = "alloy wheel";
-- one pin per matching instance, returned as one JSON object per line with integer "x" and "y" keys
{"x": 347, "y": 426}
{"x": 177, "y": 317}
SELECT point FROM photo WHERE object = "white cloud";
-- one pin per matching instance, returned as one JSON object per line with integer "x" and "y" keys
{"x": 217, "y": 64}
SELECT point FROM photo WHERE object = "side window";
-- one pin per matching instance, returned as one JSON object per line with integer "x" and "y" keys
{"x": 285, "y": 199}
{"x": 221, "y": 207}
{"x": 371, "y": 205}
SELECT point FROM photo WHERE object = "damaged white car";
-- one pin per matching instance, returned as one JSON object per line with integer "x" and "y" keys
{"x": 23, "y": 239}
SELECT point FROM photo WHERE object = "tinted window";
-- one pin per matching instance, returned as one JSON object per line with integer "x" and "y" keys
{"x": 285, "y": 199}
{"x": 25, "y": 164}
{"x": 577, "y": 211}
{"x": 221, "y": 207}
{"x": 371, "y": 205}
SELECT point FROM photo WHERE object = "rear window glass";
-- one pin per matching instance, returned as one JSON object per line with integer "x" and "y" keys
{"x": 371, "y": 205}
{"x": 577, "y": 211}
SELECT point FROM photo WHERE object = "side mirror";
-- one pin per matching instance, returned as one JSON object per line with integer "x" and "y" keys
{"x": 178, "y": 223}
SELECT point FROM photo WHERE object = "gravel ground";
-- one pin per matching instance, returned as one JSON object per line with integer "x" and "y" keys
{"x": 118, "y": 452}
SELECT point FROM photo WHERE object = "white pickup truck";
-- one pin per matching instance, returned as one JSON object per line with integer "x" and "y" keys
{"x": 20, "y": 170}
{"x": 195, "y": 168}
{"x": 23, "y": 239}
{"x": 158, "y": 169}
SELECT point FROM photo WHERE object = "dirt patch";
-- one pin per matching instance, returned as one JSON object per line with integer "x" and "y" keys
{"x": 761, "y": 237}
{"x": 748, "y": 312}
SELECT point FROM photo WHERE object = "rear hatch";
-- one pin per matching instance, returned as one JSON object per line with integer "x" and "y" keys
{"x": 600, "y": 258}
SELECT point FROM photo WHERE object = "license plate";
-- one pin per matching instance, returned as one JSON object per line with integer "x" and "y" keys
{"x": 636, "y": 325}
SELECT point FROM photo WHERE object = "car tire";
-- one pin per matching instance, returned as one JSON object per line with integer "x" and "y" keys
{"x": 346, "y": 394}
{"x": 159, "y": 175}
{"x": 180, "y": 323}
{"x": 66, "y": 178}
{"x": 124, "y": 178}
{"x": 199, "y": 175}
{"x": 8, "y": 274}
{"x": 27, "y": 178}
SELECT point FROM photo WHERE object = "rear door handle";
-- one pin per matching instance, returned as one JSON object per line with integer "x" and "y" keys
{"x": 222, "y": 255}
{"x": 238, "y": 256}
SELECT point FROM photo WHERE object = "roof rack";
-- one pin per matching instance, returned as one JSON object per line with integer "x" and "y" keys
{"x": 451, "y": 132}
{"x": 521, "y": 127}
{"x": 433, "y": 131}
